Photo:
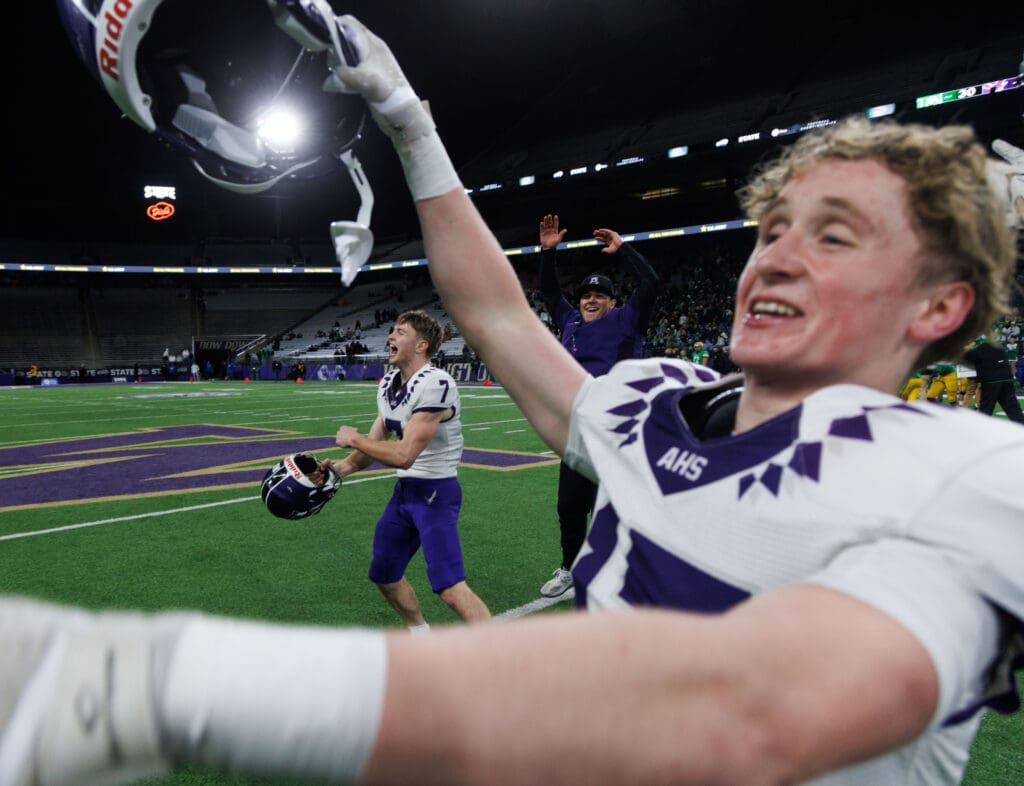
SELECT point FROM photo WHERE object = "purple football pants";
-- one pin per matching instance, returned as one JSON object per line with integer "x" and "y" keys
{"x": 422, "y": 512}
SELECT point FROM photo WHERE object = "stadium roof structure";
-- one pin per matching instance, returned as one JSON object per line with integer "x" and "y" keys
{"x": 528, "y": 88}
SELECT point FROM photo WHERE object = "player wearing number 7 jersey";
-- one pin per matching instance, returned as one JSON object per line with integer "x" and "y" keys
{"x": 419, "y": 404}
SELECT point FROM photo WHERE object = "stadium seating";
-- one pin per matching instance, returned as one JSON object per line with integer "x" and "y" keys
{"x": 359, "y": 305}
{"x": 41, "y": 325}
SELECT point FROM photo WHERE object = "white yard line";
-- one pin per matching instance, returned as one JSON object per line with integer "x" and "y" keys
{"x": 67, "y": 527}
{"x": 536, "y": 605}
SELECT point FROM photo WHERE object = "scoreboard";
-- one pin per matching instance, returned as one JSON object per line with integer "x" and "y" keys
{"x": 974, "y": 91}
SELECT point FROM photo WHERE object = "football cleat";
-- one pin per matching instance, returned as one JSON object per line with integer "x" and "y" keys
{"x": 290, "y": 491}
{"x": 558, "y": 584}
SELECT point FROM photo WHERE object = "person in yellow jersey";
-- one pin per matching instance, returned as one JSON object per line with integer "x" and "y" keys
{"x": 912, "y": 388}
{"x": 944, "y": 381}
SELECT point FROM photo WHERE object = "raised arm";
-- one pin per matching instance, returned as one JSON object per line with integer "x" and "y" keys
{"x": 476, "y": 282}
{"x": 551, "y": 235}
{"x": 482, "y": 293}
{"x": 649, "y": 282}
{"x": 646, "y": 294}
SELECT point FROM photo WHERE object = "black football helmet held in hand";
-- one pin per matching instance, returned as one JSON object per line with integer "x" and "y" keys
{"x": 289, "y": 492}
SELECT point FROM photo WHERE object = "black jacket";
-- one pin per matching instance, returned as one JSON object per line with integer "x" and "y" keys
{"x": 989, "y": 360}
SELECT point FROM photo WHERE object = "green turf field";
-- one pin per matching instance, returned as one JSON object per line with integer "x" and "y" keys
{"x": 146, "y": 496}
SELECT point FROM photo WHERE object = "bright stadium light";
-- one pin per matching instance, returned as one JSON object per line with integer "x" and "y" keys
{"x": 279, "y": 129}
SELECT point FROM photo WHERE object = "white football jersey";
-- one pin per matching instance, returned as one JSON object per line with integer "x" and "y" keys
{"x": 429, "y": 390}
{"x": 911, "y": 507}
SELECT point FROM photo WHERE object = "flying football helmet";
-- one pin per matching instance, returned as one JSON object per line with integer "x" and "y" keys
{"x": 212, "y": 78}
{"x": 289, "y": 492}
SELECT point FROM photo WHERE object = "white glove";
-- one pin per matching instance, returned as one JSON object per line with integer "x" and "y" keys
{"x": 1007, "y": 180}
{"x": 378, "y": 74}
{"x": 398, "y": 111}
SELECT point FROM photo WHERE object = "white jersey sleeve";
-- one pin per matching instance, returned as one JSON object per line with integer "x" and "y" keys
{"x": 953, "y": 577}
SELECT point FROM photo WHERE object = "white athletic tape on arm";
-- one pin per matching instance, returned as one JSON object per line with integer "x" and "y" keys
{"x": 428, "y": 169}
{"x": 299, "y": 702}
{"x": 407, "y": 121}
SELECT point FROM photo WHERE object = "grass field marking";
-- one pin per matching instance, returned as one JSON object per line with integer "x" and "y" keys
{"x": 496, "y": 422}
{"x": 39, "y": 469}
{"x": 146, "y": 430}
{"x": 264, "y": 421}
{"x": 158, "y": 410}
{"x": 536, "y": 605}
{"x": 67, "y": 527}
{"x": 369, "y": 418}
{"x": 186, "y": 394}
{"x": 152, "y": 514}
{"x": 132, "y": 481}
{"x": 43, "y": 467}
{"x": 332, "y": 393}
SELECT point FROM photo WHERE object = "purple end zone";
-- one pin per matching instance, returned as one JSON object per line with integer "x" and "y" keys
{"x": 489, "y": 458}
{"x": 132, "y": 464}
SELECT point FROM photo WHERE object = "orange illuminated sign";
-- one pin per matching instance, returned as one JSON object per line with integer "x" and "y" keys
{"x": 159, "y": 211}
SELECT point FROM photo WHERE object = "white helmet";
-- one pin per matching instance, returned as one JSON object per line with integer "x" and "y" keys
{"x": 203, "y": 75}
{"x": 200, "y": 74}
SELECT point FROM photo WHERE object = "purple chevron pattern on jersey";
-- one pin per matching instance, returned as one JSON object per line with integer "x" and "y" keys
{"x": 840, "y": 491}
{"x": 654, "y": 576}
{"x": 428, "y": 390}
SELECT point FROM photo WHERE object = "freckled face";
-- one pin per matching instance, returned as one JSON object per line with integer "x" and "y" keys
{"x": 828, "y": 288}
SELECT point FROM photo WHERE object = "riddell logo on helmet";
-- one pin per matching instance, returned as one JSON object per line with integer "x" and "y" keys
{"x": 294, "y": 470}
{"x": 114, "y": 20}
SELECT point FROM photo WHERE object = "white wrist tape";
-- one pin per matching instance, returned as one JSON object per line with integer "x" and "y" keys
{"x": 428, "y": 169}
{"x": 84, "y": 711}
{"x": 299, "y": 702}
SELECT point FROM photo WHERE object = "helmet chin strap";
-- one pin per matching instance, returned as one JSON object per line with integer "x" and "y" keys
{"x": 353, "y": 240}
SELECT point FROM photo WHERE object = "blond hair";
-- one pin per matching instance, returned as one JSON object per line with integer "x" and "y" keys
{"x": 957, "y": 217}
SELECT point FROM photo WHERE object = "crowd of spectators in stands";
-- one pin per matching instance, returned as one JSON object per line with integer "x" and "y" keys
{"x": 692, "y": 316}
